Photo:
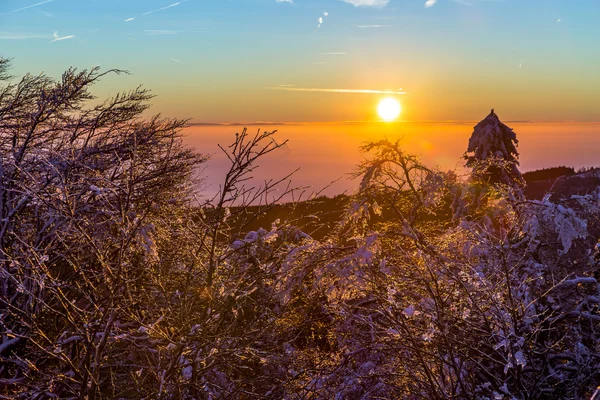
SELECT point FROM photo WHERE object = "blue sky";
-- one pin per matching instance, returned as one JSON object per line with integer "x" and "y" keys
{"x": 219, "y": 60}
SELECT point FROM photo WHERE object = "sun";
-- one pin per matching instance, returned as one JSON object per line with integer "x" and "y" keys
{"x": 389, "y": 109}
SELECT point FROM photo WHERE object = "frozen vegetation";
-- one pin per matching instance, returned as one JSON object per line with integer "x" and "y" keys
{"x": 117, "y": 282}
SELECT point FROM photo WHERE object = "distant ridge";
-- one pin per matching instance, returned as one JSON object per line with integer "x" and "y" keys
{"x": 561, "y": 182}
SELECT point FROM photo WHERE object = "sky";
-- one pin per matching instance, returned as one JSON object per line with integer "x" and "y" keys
{"x": 225, "y": 61}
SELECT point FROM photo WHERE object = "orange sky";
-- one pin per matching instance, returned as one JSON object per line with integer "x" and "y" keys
{"x": 326, "y": 152}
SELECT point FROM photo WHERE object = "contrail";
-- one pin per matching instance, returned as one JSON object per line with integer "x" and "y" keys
{"x": 56, "y": 38}
{"x": 165, "y": 7}
{"x": 33, "y": 5}
{"x": 366, "y": 91}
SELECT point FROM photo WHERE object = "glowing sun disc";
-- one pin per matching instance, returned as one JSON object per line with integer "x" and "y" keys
{"x": 389, "y": 109}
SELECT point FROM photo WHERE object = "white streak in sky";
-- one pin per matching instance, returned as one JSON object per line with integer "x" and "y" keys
{"x": 57, "y": 38}
{"x": 129, "y": 19}
{"x": 165, "y": 7}
{"x": 365, "y": 91}
{"x": 63, "y": 38}
{"x": 33, "y": 5}
{"x": 176, "y": 60}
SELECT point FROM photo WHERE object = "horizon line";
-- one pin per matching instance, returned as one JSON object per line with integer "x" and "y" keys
{"x": 256, "y": 123}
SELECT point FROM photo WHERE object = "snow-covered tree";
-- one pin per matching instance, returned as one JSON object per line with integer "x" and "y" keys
{"x": 492, "y": 152}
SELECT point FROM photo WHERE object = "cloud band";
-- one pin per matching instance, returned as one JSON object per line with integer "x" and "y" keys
{"x": 363, "y": 91}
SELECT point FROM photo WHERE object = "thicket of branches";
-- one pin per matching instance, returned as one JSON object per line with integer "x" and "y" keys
{"x": 117, "y": 282}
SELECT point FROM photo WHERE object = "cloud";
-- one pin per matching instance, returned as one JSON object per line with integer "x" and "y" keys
{"x": 31, "y": 6}
{"x": 325, "y": 14}
{"x": 165, "y": 7}
{"x": 176, "y": 60}
{"x": 372, "y": 26}
{"x": 57, "y": 38}
{"x": 284, "y": 1}
{"x": 129, "y": 19}
{"x": 430, "y": 3}
{"x": 367, "y": 3}
{"x": 320, "y": 22}
{"x": 363, "y": 91}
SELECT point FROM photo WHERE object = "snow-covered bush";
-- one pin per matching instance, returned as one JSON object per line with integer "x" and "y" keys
{"x": 83, "y": 188}
{"x": 116, "y": 283}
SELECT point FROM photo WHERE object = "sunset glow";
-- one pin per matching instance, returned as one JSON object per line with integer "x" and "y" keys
{"x": 389, "y": 109}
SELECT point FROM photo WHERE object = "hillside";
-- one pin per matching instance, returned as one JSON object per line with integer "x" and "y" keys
{"x": 579, "y": 184}
{"x": 540, "y": 181}
{"x": 318, "y": 216}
